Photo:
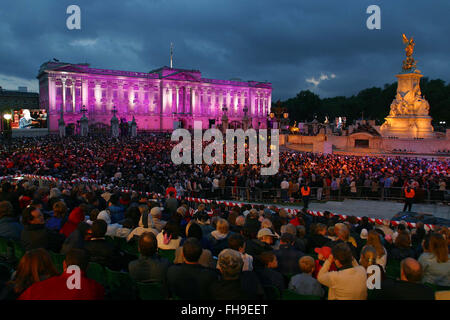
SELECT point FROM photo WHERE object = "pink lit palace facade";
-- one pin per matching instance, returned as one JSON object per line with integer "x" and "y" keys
{"x": 162, "y": 99}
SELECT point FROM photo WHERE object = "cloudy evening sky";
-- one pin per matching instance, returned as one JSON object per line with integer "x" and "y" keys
{"x": 323, "y": 45}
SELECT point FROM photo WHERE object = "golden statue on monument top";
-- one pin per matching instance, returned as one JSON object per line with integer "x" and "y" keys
{"x": 409, "y": 64}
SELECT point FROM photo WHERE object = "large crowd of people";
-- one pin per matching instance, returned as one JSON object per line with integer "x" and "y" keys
{"x": 163, "y": 241}
{"x": 249, "y": 252}
{"x": 144, "y": 164}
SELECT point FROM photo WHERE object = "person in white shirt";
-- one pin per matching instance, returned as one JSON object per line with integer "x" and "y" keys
{"x": 168, "y": 238}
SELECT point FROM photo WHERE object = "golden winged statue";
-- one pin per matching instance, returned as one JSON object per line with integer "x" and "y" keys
{"x": 409, "y": 63}
{"x": 410, "y": 45}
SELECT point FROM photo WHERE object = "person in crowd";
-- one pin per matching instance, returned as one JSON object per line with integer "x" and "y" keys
{"x": 318, "y": 239}
{"x": 9, "y": 194}
{"x": 237, "y": 242}
{"x": 57, "y": 288}
{"x": 304, "y": 283}
{"x": 369, "y": 258}
{"x": 264, "y": 242}
{"x": 146, "y": 224}
{"x": 343, "y": 236}
{"x": 100, "y": 250}
{"x": 168, "y": 238}
{"x": 190, "y": 280}
{"x": 349, "y": 282}
{"x": 10, "y": 228}
{"x": 171, "y": 205}
{"x": 36, "y": 265}
{"x": 55, "y": 222}
{"x": 193, "y": 230}
{"x": 268, "y": 275}
{"x": 402, "y": 247}
{"x": 77, "y": 239}
{"x": 155, "y": 216}
{"x": 75, "y": 218}
{"x": 408, "y": 287}
{"x": 375, "y": 241}
{"x": 218, "y": 238}
{"x": 35, "y": 235}
{"x": 117, "y": 211}
{"x": 322, "y": 255}
{"x": 150, "y": 267}
{"x": 436, "y": 263}
{"x": 234, "y": 283}
{"x": 287, "y": 255}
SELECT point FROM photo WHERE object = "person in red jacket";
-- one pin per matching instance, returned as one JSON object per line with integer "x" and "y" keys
{"x": 64, "y": 286}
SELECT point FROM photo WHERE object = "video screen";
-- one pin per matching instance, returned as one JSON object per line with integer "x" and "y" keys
{"x": 29, "y": 119}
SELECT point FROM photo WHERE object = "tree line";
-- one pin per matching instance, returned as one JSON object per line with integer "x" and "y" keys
{"x": 371, "y": 103}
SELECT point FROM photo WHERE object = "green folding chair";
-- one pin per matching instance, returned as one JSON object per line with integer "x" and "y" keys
{"x": 120, "y": 284}
{"x": 58, "y": 260}
{"x": 436, "y": 287}
{"x": 96, "y": 272}
{"x": 272, "y": 292}
{"x": 129, "y": 247}
{"x": 4, "y": 246}
{"x": 150, "y": 290}
{"x": 393, "y": 269}
{"x": 291, "y": 295}
{"x": 168, "y": 254}
{"x": 19, "y": 250}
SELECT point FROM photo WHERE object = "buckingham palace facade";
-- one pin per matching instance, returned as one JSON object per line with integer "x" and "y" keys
{"x": 161, "y": 99}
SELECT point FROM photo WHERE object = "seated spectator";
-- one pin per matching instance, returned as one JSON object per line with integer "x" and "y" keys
{"x": 35, "y": 235}
{"x": 304, "y": 283}
{"x": 218, "y": 238}
{"x": 368, "y": 258}
{"x": 322, "y": 256}
{"x": 146, "y": 224}
{"x": 168, "y": 238}
{"x": 56, "y": 288}
{"x": 117, "y": 211}
{"x": 10, "y": 228}
{"x": 150, "y": 267}
{"x": 264, "y": 242}
{"x": 436, "y": 263}
{"x": 75, "y": 218}
{"x": 190, "y": 280}
{"x": 318, "y": 239}
{"x": 374, "y": 241}
{"x": 155, "y": 215}
{"x": 349, "y": 282}
{"x": 55, "y": 222}
{"x": 77, "y": 239}
{"x": 112, "y": 228}
{"x": 408, "y": 287}
{"x": 193, "y": 230}
{"x": 268, "y": 274}
{"x": 235, "y": 284}
{"x": 402, "y": 247}
{"x": 288, "y": 255}
{"x": 100, "y": 250}
{"x": 203, "y": 220}
{"x": 343, "y": 236}
{"x": 36, "y": 265}
{"x": 237, "y": 243}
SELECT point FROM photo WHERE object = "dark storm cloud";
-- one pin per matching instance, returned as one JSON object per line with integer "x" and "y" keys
{"x": 284, "y": 42}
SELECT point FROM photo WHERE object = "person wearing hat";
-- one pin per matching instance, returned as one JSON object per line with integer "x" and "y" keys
{"x": 263, "y": 242}
{"x": 322, "y": 255}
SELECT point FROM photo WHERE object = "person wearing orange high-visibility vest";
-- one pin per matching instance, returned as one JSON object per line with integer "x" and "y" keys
{"x": 409, "y": 198}
{"x": 306, "y": 192}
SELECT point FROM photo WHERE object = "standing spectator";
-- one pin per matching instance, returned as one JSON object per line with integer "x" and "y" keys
{"x": 349, "y": 282}
{"x": 436, "y": 263}
{"x": 306, "y": 193}
{"x": 55, "y": 288}
{"x": 409, "y": 198}
{"x": 304, "y": 283}
{"x": 171, "y": 205}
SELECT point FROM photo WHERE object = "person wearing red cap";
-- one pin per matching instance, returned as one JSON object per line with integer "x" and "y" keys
{"x": 322, "y": 255}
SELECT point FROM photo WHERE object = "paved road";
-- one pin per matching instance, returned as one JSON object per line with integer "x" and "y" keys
{"x": 377, "y": 209}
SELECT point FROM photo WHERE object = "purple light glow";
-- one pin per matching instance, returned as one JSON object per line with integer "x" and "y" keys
{"x": 157, "y": 99}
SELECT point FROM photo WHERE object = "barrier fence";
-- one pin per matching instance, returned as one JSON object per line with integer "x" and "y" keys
{"x": 198, "y": 200}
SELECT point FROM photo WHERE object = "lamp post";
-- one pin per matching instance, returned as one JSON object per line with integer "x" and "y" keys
{"x": 7, "y": 128}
